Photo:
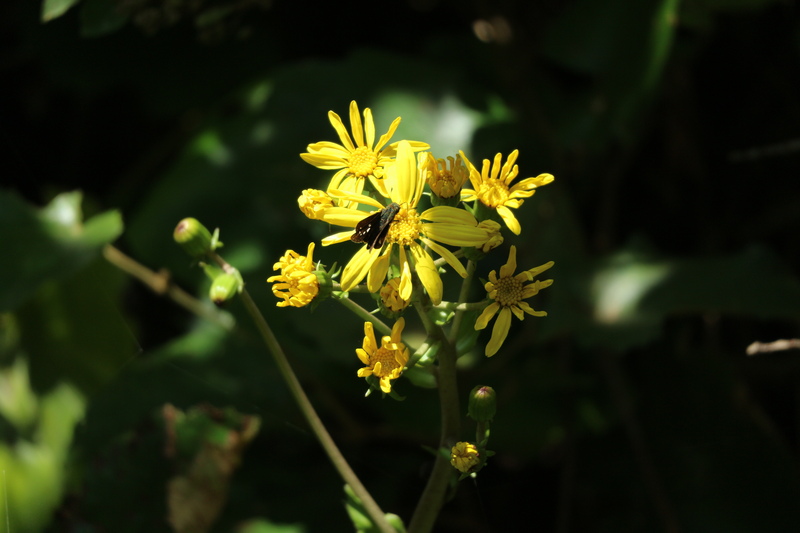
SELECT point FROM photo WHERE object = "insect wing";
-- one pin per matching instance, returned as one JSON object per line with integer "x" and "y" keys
{"x": 368, "y": 228}
{"x": 374, "y": 228}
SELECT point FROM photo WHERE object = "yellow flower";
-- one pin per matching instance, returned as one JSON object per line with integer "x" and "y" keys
{"x": 297, "y": 283}
{"x": 387, "y": 360}
{"x": 492, "y": 186}
{"x": 412, "y": 232}
{"x": 508, "y": 292}
{"x": 464, "y": 457}
{"x": 444, "y": 181}
{"x": 359, "y": 157}
{"x": 313, "y": 203}
{"x": 390, "y": 296}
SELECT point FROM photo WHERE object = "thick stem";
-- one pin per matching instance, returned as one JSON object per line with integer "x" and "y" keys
{"x": 433, "y": 496}
{"x": 462, "y": 298}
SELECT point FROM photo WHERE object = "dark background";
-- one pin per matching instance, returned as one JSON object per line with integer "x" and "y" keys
{"x": 673, "y": 131}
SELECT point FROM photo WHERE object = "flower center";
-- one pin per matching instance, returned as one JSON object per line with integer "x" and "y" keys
{"x": 362, "y": 162}
{"x": 493, "y": 192}
{"x": 405, "y": 228}
{"x": 509, "y": 291}
{"x": 387, "y": 359}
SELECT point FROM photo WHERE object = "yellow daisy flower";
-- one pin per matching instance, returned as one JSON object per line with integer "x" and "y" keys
{"x": 492, "y": 186}
{"x": 446, "y": 180}
{"x": 412, "y": 232}
{"x": 508, "y": 292}
{"x": 359, "y": 157}
{"x": 385, "y": 360}
{"x": 464, "y": 456}
{"x": 297, "y": 284}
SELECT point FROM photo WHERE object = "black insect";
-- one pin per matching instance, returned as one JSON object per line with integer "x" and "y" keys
{"x": 374, "y": 228}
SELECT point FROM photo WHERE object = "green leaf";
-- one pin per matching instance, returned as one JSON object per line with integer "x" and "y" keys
{"x": 52, "y": 9}
{"x": 101, "y": 17}
{"x": 48, "y": 244}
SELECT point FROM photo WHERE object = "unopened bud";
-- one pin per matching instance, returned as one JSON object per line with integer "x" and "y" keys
{"x": 482, "y": 403}
{"x": 193, "y": 237}
{"x": 224, "y": 287}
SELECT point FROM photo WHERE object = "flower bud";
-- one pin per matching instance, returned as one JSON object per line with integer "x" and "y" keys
{"x": 482, "y": 403}
{"x": 224, "y": 287}
{"x": 193, "y": 237}
{"x": 464, "y": 457}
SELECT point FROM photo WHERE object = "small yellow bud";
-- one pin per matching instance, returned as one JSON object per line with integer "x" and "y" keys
{"x": 464, "y": 457}
{"x": 313, "y": 203}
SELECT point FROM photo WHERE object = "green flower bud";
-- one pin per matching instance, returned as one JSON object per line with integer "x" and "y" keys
{"x": 482, "y": 403}
{"x": 224, "y": 287}
{"x": 193, "y": 237}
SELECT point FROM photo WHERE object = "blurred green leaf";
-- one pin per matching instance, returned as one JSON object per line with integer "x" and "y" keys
{"x": 34, "y": 466}
{"x": 75, "y": 330}
{"x": 51, "y": 243}
{"x": 101, "y": 17}
{"x": 52, "y": 9}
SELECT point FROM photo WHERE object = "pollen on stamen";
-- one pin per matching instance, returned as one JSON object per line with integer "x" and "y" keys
{"x": 509, "y": 291}
{"x": 405, "y": 228}
{"x": 363, "y": 161}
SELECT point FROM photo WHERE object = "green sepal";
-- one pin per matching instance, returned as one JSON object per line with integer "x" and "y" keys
{"x": 453, "y": 201}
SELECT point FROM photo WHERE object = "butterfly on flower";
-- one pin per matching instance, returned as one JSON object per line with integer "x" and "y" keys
{"x": 373, "y": 229}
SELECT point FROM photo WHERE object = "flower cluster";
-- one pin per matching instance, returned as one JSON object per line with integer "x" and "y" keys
{"x": 414, "y": 220}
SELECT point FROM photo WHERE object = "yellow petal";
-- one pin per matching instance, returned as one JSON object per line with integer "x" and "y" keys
{"x": 449, "y": 215}
{"x": 397, "y": 329}
{"x": 378, "y": 271}
{"x": 338, "y": 125}
{"x": 369, "y": 345}
{"x": 511, "y": 265}
{"x": 369, "y": 128}
{"x": 336, "y": 238}
{"x": 455, "y": 234}
{"x": 358, "y": 267}
{"x": 362, "y": 356}
{"x": 510, "y": 220}
{"x": 354, "y": 197}
{"x": 427, "y": 273}
{"x": 448, "y": 256}
{"x": 499, "y": 332}
{"x": 528, "y": 309}
{"x": 487, "y": 314}
{"x": 324, "y": 161}
{"x": 355, "y": 124}
{"x": 405, "y": 175}
{"x": 364, "y": 372}
{"x": 343, "y": 216}
{"x": 388, "y": 135}
{"x": 406, "y": 285}
{"x": 510, "y": 170}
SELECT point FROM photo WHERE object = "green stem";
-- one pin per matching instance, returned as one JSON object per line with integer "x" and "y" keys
{"x": 365, "y": 315}
{"x": 462, "y": 297}
{"x": 313, "y": 419}
{"x": 433, "y": 496}
{"x": 456, "y": 306}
